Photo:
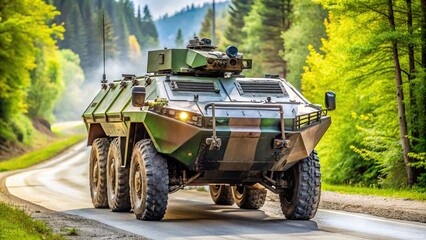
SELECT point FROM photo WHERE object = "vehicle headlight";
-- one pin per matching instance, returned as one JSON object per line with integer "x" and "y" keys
{"x": 183, "y": 116}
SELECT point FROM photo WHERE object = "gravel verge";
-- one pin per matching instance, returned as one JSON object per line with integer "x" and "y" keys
{"x": 387, "y": 207}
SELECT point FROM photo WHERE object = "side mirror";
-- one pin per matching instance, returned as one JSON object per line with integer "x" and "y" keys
{"x": 330, "y": 100}
{"x": 138, "y": 96}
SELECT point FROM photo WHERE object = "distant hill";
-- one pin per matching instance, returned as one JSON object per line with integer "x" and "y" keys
{"x": 188, "y": 20}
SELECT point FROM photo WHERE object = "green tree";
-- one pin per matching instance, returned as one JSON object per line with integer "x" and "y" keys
{"x": 265, "y": 20}
{"x": 234, "y": 34}
{"x": 365, "y": 71}
{"x": 179, "y": 39}
{"x": 75, "y": 36}
{"x": 221, "y": 26}
{"x": 46, "y": 84}
{"x": 70, "y": 105}
{"x": 122, "y": 30}
{"x": 83, "y": 22}
{"x": 307, "y": 28}
{"x": 93, "y": 30}
{"x": 207, "y": 25}
{"x": 24, "y": 26}
{"x": 417, "y": 77}
{"x": 148, "y": 29}
{"x": 337, "y": 68}
{"x": 110, "y": 38}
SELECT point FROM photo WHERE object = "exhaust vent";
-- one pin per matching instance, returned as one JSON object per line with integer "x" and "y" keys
{"x": 188, "y": 86}
{"x": 261, "y": 88}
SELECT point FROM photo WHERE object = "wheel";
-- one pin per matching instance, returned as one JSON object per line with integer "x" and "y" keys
{"x": 300, "y": 201}
{"x": 97, "y": 172}
{"x": 149, "y": 182}
{"x": 117, "y": 180}
{"x": 221, "y": 194}
{"x": 248, "y": 197}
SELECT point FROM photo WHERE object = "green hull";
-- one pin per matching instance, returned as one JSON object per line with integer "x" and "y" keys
{"x": 247, "y": 143}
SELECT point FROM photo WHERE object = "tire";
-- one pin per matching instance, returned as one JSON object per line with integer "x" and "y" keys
{"x": 300, "y": 201}
{"x": 117, "y": 180}
{"x": 97, "y": 172}
{"x": 221, "y": 194}
{"x": 149, "y": 182}
{"x": 248, "y": 197}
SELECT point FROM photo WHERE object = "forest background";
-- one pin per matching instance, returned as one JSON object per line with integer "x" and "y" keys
{"x": 372, "y": 54}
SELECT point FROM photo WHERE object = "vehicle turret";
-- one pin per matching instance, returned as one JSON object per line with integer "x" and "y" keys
{"x": 200, "y": 58}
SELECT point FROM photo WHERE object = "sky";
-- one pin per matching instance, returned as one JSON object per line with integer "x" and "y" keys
{"x": 160, "y": 7}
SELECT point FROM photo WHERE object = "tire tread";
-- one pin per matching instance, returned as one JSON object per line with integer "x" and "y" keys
{"x": 121, "y": 201}
{"x": 100, "y": 147}
{"x": 223, "y": 196}
{"x": 308, "y": 196}
{"x": 157, "y": 182}
{"x": 254, "y": 198}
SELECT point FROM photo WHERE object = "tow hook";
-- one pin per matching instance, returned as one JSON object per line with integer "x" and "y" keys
{"x": 214, "y": 142}
{"x": 281, "y": 143}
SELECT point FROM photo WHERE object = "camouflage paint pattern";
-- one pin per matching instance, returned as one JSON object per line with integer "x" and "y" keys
{"x": 247, "y": 134}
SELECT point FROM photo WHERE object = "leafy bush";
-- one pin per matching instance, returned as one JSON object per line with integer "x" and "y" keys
{"x": 70, "y": 104}
{"x": 19, "y": 129}
{"x": 22, "y": 128}
{"x": 6, "y": 132}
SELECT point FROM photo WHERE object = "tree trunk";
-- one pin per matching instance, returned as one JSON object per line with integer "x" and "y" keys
{"x": 414, "y": 129}
{"x": 422, "y": 109}
{"x": 400, "y": 97}
{"x": 287, "y": 8}
{"x": 423, "y": 6}
{"x": 411, "y": 63}
{"x": 422, "y": 99}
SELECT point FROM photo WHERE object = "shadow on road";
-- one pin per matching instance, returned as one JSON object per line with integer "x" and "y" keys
{"x": 197, "y": 219}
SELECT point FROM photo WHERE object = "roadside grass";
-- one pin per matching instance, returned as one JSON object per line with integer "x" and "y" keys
{"x": 202, "y": 189}
{"x": 387, "y": 192}
{"x": 76, "y": 127}
{"x": 16, "y": 224}
{"x": 70, "y": 231}
{"x": 41, "y": 154}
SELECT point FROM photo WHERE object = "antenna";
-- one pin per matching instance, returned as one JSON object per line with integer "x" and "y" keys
{"x": 214, "y": 24}
{"x": 104, "y": 80}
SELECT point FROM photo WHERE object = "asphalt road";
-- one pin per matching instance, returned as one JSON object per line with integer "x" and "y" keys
{"x": 62, "y": 185}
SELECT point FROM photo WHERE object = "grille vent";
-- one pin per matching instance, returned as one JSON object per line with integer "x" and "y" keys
{"x": 261, "y": 87}
{"x": 187, "y": 86}
{"x": 306, "y": 120}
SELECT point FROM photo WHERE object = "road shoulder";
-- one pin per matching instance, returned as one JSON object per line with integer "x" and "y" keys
{"x": 395, "y": 208}
{"x": 403, "y": 209}
{"x": 62, "y": 223}
{"x": 387, "y": 207}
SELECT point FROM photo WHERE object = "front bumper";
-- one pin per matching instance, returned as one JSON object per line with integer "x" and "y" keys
{"x": 247, "y": 145}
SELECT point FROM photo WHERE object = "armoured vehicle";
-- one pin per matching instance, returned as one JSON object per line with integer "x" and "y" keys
{"x": 194, "y": 119}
